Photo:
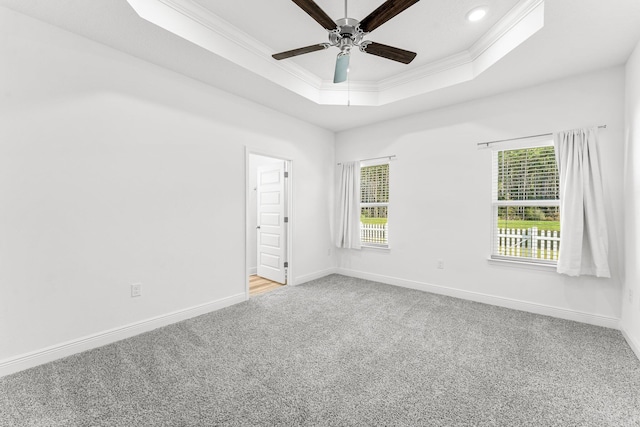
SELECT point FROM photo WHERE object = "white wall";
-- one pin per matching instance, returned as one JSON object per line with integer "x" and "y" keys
{"x": 255, "y": 161}
{"x": 115, "y": 171}
{"x": 441, "y": 192}
{"x": 631, "y": 298}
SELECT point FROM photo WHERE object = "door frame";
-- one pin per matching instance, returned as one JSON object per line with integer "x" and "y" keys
{"x": 249, "y": 151}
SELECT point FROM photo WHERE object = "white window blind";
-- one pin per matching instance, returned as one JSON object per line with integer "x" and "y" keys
{"x": 374, "y": 205}
{"x": 526, "y": 203}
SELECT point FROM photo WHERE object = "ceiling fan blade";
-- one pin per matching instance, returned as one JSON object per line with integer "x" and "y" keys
{"x": 342, "y": 68}
{"x": 314, "y": 11}
{"x": 389, "y": 52}
{"x": 384, "y": 12}
{"x": 300, "y": 51}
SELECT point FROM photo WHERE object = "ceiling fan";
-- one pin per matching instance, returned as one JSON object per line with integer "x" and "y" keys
{"x": 345, "y": 33}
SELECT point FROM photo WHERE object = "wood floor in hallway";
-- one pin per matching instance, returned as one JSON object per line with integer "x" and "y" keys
{"x": 259, "y": 285}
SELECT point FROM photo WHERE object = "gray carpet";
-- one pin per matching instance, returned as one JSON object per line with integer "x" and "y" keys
{"x": 342, "y": 352}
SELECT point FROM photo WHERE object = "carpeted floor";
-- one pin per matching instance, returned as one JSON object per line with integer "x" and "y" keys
{"x": 343, "y": 352}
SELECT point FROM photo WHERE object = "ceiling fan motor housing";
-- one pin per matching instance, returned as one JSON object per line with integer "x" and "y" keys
{"x": 347, "y": 34}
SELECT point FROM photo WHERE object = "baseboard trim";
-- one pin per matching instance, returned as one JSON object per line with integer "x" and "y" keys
{"x": 635, "y": 345}
{"x": 49, "y": 354}
{"x": 253, "y": 271}
{"x": 562, "y": 313}
{"x": 313, "y": 276}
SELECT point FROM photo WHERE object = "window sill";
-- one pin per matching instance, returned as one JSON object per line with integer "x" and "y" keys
{"x": 376, "y": 247}
{"x": 523, "y": 264}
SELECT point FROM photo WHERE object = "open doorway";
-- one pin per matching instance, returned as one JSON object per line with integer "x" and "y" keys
{"x": 268, "y": 205}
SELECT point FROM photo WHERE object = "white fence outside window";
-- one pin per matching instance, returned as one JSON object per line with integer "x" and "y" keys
{"x": 373, "y": 233}
{"x": 512, "y": 242}
{"x": 528, "y": 243}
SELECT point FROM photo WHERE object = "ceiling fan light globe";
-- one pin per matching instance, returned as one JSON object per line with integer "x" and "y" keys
{"x": 342, "y": 68}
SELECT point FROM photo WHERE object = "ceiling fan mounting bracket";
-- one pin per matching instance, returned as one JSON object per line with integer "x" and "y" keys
{"x": 363, "y": 46}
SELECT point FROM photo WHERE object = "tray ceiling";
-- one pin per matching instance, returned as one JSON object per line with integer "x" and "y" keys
{"x": 578, "y": 37}
{"x": 451, "y": 50}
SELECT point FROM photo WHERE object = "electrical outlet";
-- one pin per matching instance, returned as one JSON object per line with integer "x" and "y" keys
{"x": 441, "y": 264}
{"x": 136, "y": 290}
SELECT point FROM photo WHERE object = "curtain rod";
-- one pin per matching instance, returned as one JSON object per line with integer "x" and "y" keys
{"x": 391, "y": 157}
{"x": 525, "y": 137}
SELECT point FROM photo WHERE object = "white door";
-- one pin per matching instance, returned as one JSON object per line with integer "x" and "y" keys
{"x": 272, "y": 228}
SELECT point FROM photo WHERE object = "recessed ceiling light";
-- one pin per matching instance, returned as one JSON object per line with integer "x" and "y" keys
{"x": 477, "y": 14}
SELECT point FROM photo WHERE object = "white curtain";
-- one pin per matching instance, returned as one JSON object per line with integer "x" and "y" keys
{"x": 583, "y": 229}
{"x": 349, "y": 206}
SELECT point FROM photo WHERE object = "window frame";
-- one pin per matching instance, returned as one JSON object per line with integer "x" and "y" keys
{"x": 496, "y": 204}
{"x": 369, "y": 163}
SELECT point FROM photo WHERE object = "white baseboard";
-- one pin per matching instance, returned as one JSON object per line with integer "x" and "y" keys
{"x": 313, "y": 276}
{"x": 253, "y": 271}
{"x": 49, "y": 354}
{"x": 562, "y": 313}
{"x": 635, "y": 345}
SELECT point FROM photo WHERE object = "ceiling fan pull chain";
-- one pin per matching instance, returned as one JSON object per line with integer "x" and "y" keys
{"x": 348, "y": 90}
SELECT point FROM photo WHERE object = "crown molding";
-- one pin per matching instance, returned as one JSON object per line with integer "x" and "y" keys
{"x": 520, "y": 23}
{"x": 213, "y": 22}
{"x": 504, "y": 26}
{"x": 436, "y": 67}
{"x": 197, "y": 24}
{"x": 202, "y": 27}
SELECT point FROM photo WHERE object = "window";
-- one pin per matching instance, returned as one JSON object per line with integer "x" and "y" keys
{"x": 526, "y": 204}
{"x": 374, "y": 205}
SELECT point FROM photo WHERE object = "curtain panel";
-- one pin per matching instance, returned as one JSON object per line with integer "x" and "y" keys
{"x": 583, "y": 238}
{"x": 348, "y": 225}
